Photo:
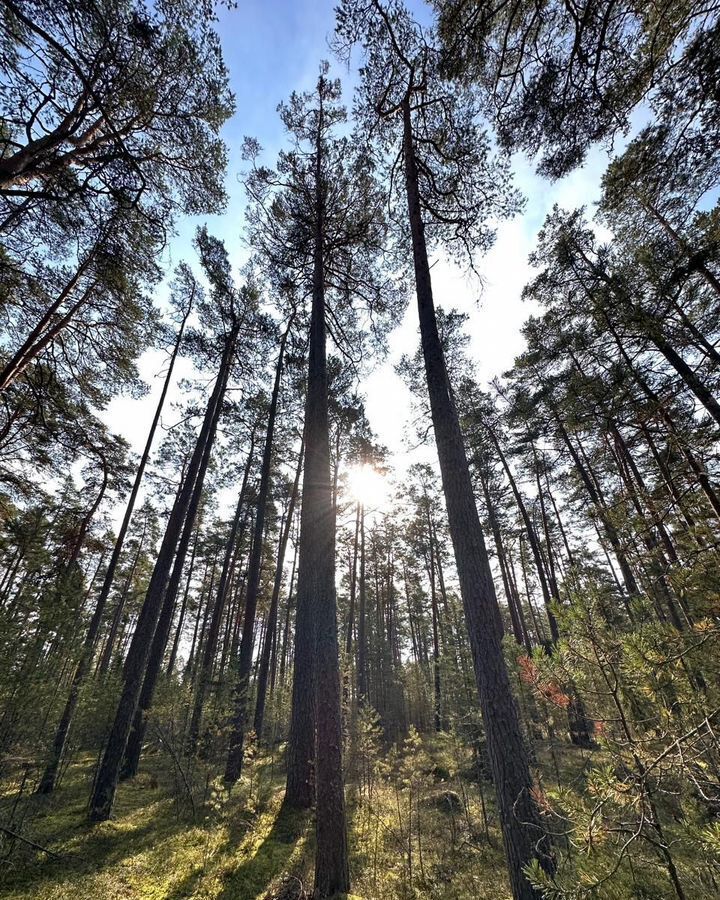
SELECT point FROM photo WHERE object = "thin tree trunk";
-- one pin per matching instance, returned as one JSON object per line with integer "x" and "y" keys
{"x": 208, "y": 657}
{"x": 650, "y": 208}
{"x": 133, "y": 748}
{"x": 138, "y": 655}
{"x": 288, "y": 610}
{"x": 274, "y": 603}
{"x": 362, "y": 663}
{"x": 50, "y": 773}
{"x": 608, "y": 527}
{"x": 205, "y": 604}
{"x": 183, "y": 605}
{"x": 558, "y": 519}
{"x": 353, "y": 585}
{"x": 437, "y": 687}
{"x": 47, "y": 782}
{"x": 532, "y": 537}
{"x": 107, "y": 653}
{"x": 38, "y": 337}
{"x": 516, "y": 617}
{"x": 696, "y": 468}
{"x": 655, "y": 517}
{"x": 669, "y": 480}
{"x": 233, "y": 767}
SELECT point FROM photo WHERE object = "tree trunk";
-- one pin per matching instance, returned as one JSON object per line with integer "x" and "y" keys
{"x": 353, "y": 585}
{"x": 686, "y": 373}
{"x": 138, "y": 655}
{"x": 204, "y": 609}
{"x": 437, "y": 685}
{"x": 362, "y": 661}
{"x": 652, "y": 209}
{"x": 47, "y": 782}
{"x": 264, "y": 669}
{"x": 288, "y": 611}
{"x": 208, "y": 657}
{"x": 44, "y": 332}
{"x": 49, "y": 776}
{"x": 316, "y": 700}
{"x": 516, "y": 616}
{"x": 523, "y": 834}
{"x": 183, "y": 605}
{"x": 233, "y": 767}
{"x": 133, "y": 749}
{"x": 657, "y": 564}
{"x": 532, "y": 537}
{"x": 107, "y": 653}
{"x": 608, "y": 527}
{"x": 695, "y": 466}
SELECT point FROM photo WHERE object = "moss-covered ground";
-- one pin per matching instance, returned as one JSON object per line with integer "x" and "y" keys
{"x": 421, "y": 825}
{"x": 418, "y": 838}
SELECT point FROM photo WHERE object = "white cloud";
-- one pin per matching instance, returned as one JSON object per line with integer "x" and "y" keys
{"x": 495, "y": 309}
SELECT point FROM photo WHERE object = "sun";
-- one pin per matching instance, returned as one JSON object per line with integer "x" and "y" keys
{"x": 367, "y": 486}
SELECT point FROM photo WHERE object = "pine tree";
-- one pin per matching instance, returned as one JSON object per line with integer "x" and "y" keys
{"x": 449, "y": 183}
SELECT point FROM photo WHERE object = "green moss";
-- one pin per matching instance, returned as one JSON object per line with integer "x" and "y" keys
{"x": 151, "y": 850}
{"x": 247, "y": 846}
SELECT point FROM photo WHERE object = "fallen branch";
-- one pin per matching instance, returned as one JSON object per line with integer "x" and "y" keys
{"x": 19, "y": 837}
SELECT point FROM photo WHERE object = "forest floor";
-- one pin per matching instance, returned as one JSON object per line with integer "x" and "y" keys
{"x": 420, "y": 825}
{"x": 247, "y": 846}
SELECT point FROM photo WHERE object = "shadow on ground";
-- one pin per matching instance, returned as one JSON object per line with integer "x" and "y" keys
{"x": 288, "y": 838}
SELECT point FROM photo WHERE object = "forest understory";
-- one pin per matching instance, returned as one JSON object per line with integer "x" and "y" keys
{"x": 421, "y": 824}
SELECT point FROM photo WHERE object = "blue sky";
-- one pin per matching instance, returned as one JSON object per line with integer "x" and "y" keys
{"x": 273, "y": 47}
{"x": 270, "y": 48}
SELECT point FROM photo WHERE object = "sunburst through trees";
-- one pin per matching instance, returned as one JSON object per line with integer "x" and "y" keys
{"x": 270, "y": 629}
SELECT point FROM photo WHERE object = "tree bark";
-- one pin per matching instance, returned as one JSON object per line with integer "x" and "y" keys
{"x": 139, "y": 652}
{"x": 233, "y": 767}
{"x": 523, "y": 834}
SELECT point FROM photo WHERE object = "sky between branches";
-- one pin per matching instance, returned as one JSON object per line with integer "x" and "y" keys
{"x": 272, "y": 47}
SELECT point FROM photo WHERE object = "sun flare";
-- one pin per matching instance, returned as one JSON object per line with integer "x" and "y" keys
{"x": 367, "y": 486}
